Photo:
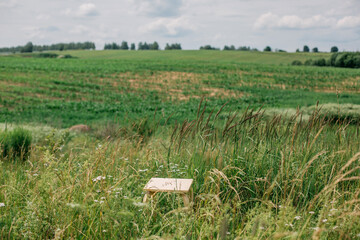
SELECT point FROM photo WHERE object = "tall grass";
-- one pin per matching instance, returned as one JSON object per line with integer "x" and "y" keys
{"x": 254, "y": 178}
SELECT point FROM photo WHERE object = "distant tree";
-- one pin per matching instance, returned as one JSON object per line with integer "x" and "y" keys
{"x": 208, "y": 47}
{"x": 267, "y": 49}
{"x": 107, "y": 46}
{"x": 173, "y": 46}
{"x": 231, "y": 48}
{"x": 243, "y": 48}
{"x": 315, "y": 50}
{"x": 297, "y": 50}
{"x": 27, "y": 48}
{"x": 226, "y": 48}
{"x": 124, "y": 46}
{"x": 146, "y": 46}
{"x": 150, "y": 46}
{"x": 306, "y": 49}
{"x": 132, "y": 47}
{"x": 154, "y": 46}
{"x": 334, "y": 49}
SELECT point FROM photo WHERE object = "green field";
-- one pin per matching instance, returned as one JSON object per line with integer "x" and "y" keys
{"x": 113, "y": 85}
{"x": 273, "y": 149}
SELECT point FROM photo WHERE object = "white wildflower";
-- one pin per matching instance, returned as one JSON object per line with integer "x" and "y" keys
{"x": 35, "y": 174}
{"x": 139, "y": 204}
{"x": 311, "y": 212}
{"x": 289, "y": 225}
{"x": 297, "y": 218}
{"x": 324, "y": 220}
{"x": 104, "y": 231}
{"x": 102, "y": 198}
{"x": 101, "y": 202}
{"x": 2, "y": 204}
{"x": 98, "y": 178}
{"x": 96, "y": 200}
{"x": 73, "y": 205}
{"x": 333, "y": 210}
{"x": 143, "y": 170}
{"x": 335, "y": 227}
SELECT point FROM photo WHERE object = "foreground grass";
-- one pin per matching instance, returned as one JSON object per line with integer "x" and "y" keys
{"x": 255, "y": 177}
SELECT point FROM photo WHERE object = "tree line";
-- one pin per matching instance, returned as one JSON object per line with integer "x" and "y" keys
{"x": 30, "y": 47}
{"x": 141, "y": 46}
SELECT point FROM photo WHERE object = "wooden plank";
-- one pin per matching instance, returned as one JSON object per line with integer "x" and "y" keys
{"x": 168, "y": 185}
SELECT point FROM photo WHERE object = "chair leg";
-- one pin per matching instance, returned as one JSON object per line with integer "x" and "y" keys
{"x": 146, "y": 196}
{"x": 186, "y": 200}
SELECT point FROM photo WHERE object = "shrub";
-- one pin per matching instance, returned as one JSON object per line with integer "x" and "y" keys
{"x": 296, "y": 63}
{"x": 46, "y": 55}
{"x": 16, "y": 143}
{"x": 308, "y": 62}
{"x": 346, "y": 59}
{"x": 320, "y": 62}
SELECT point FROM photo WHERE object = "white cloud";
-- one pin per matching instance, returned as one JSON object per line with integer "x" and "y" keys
{"x": 87, "y": 9}
{"x": 84, "y": 10}
{"x": 80, "y": 29}
{"x": 158, "y": 8}
{"x": 349, "y": 22}
{"x": 270, "y": 21}
{"x": 169, "y": 27}
{"x": 42, "y": 17}
{"x": 8, "y": 3}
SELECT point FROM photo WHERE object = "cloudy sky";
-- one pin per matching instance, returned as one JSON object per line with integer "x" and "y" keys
{"x": 282, "y": 24}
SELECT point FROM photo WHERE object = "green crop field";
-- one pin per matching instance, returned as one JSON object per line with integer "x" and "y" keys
{"x": 113, "y": 85}
{"x": 273, "y": 148}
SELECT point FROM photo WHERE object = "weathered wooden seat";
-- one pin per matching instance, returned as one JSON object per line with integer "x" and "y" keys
{"x": 177, "y": 185}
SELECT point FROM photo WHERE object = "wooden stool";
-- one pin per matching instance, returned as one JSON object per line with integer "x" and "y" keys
{"x": 177, "y": 185}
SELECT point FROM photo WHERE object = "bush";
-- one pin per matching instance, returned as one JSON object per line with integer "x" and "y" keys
{"x": 320, "y": 62}
{"x": 296, "y": 63}
{"x": 46, "y": 55}
{"x": 346, "y": 59}
{"x": 308, "y": 62}
{"x": 16, "y": 143}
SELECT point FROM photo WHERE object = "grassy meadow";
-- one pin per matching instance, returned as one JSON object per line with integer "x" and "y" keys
{"x": 273, "y": 149}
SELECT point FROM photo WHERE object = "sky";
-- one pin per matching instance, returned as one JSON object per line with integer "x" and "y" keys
{"x": 280, "y": 24}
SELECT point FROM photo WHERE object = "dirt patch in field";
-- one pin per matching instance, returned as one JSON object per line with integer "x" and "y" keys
{"x": 14, "y": 84}
{"x": 221, "y": 93}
